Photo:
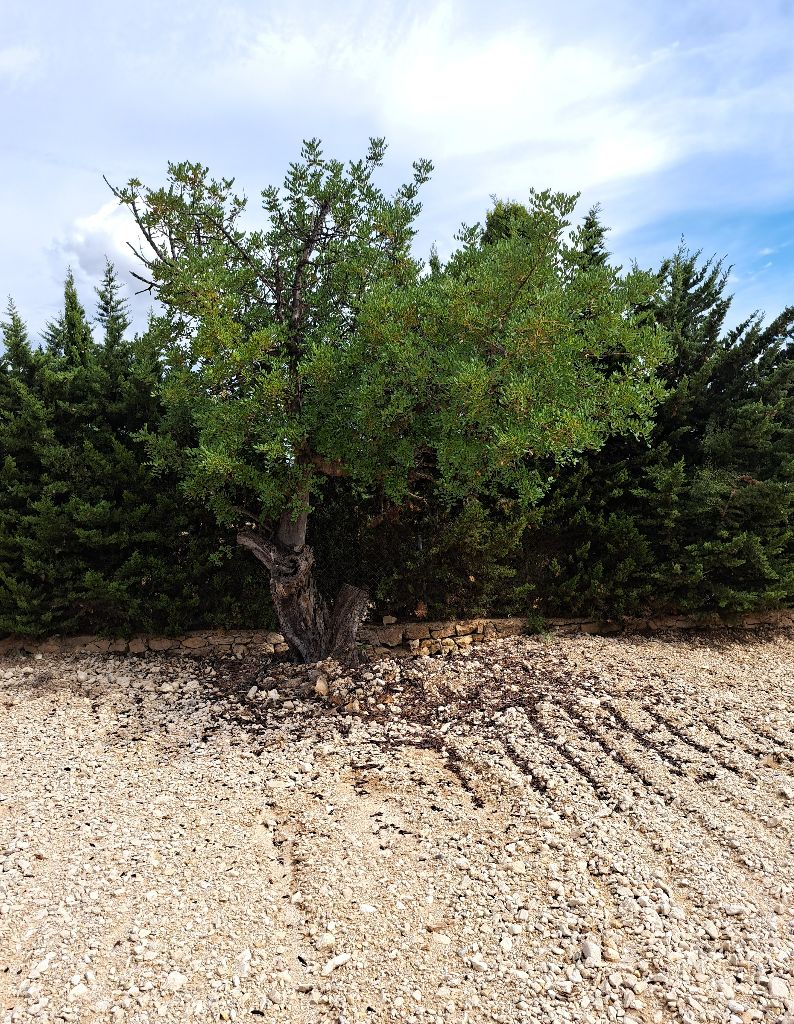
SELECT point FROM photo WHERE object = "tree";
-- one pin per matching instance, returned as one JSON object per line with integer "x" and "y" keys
{"x": 315, "y": 348}
{"x": 91, "y": 540}
{"x": 700, "y": 517}
{"x": 112, "y": 309}
{"x": 23, "y": 431}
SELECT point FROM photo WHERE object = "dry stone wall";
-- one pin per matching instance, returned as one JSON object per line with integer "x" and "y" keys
{"x": 393, "y": 639}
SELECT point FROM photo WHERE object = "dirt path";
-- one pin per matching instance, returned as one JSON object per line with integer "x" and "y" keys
{"x": 581, "y": 829}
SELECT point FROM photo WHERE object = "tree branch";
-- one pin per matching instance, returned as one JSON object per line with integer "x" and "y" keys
{"x": 258, "y": 545}
{"x": 296, "y": 305}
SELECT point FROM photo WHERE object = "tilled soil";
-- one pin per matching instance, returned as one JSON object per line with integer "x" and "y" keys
{"x": 580, "y": 829}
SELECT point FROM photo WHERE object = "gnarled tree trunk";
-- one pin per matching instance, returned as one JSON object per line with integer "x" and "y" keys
{"x": 312, "y": 629}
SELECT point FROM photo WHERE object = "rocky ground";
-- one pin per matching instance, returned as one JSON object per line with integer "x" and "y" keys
{"x": 580, "y": 829}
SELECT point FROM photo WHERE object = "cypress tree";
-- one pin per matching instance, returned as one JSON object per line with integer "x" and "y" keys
{"x": 700, "y": 518}
{"x": 92, "y": 540}
{"x": 112, "y": 312}
{"x": 24, "y": 435}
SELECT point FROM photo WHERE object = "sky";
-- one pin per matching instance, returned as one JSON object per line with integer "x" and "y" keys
{"x": 678, "y": 118}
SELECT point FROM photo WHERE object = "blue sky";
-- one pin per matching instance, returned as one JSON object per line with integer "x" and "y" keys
{"x": 677, "y": 118}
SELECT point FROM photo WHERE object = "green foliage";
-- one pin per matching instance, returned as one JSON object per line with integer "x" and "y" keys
{"x": 259, "y": 323}
{"x": 699, "y": 518}
{"x": 316, "y": 347}
{"x": 90, "y": 539}
{"x": 423, "y": 557}
{"x": 524, "y": 428}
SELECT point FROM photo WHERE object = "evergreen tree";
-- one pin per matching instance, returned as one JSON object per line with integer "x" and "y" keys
{"x": 112, "y": 309}
{"x": 591, "y": 250}
{"x": 700, "y": 519}
{"x": 24, "y": 433}
{"x": 69, "y": 335}
{"x": 91, "y": 539}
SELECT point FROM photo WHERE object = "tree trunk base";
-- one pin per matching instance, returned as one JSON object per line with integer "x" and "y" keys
{"x": 311, "y": 629}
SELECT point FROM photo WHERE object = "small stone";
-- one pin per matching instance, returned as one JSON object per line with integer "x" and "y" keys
{"x": 252, "y": 692}
{"x": 591, "y": 952}
{"x": 337, "y": 961}
{"x": 778, "y": 989}
{"x": 506, "y": 944}
{"x": 389, "y": 620}
{"x": 326, "y": 941}
{"x": 175, "y": 982}
{"x": 79, "y": 990}
{"x": 367, "y": 908}
{"x": 321, "y": 686}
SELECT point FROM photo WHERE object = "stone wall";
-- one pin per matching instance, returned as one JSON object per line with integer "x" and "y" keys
{"x": 199, "y": 642}
{"x": 393, "y": 639}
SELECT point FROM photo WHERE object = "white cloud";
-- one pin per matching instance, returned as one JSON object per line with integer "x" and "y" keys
{"x": 458, "y": 94}
{"x": 105, "y": 233}
{"x": 17, "y": 61}
{"x": 501, "y": 106}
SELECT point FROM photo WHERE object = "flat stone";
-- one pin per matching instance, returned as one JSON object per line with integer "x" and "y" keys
{"x": 191, "y": 642}
{"x": 391, "y": 636}
{"x": 162, "y": 643}
{"x": 778, "y": 988}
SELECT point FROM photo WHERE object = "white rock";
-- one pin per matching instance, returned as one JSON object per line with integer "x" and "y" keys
{"x": 778, "y": 988}
{"x": 591, "y": 952}
{"x": 367, "y": 908}
{"x": 175, "y": 982}
{"x": 252, "y": 692}
{"x": 78, "y": 991}
{"x": 337, "y": 961}
{"x": 506, "y": 944}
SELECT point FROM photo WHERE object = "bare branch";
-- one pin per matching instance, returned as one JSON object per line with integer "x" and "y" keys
{"x": 258, "y": 545}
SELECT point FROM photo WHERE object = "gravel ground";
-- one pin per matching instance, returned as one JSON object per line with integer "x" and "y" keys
{"x": 578, "y": 829}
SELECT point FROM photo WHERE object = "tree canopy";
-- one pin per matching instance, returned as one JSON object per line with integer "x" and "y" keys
{"x": 319, "y": 346}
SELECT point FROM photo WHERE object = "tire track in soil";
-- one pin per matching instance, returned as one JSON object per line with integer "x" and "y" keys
{"x": 677, "y": 729}
{"x": 577, "y": 846}
{"x": 737, "y": 803}
{"x": 723, "y": 840}
{"x": 615, "y": 837}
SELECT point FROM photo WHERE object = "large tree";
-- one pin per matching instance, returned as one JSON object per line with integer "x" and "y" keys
{"x": 318, "y": 347}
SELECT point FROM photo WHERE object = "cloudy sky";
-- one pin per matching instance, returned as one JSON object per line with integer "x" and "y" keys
{"x": 677, "y": 117}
